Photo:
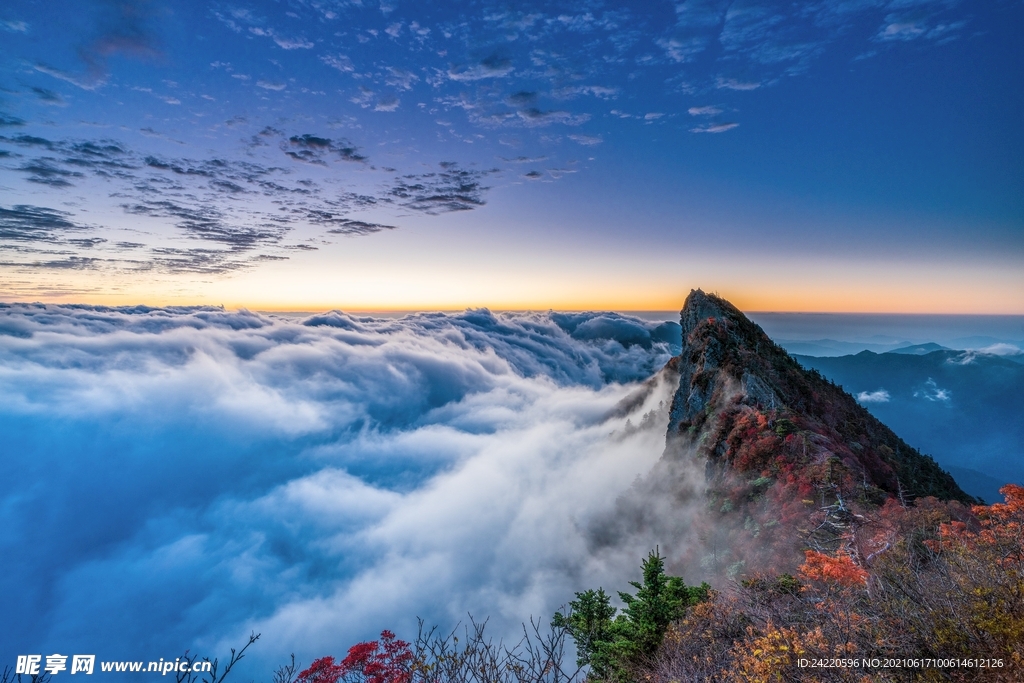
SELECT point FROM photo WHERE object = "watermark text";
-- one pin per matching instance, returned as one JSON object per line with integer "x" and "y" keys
{"x": 33, "y": 665}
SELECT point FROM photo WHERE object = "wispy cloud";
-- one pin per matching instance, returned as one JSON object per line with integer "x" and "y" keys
{"x": 735, "y": 84}
{"x": 708, "y": 110}
{"x": 49, "y": 171}
{"x": 533, "y": 116}
{"x": 386, "y": 103}
{"x": 47, "y": 96}
{"x": 493, "y": 66}
{"x": 452, "y": 188}
{"x": 715, "y": 128}
{"x": 587, "y": 140}
{"x": 91, "y": 82}
{"x": 33, "y": 224}
{"x": 1002, "y": 349}
{"x": 340, "y": 224}
{"x": 14, "y": 26}
{"x": 124, "y": 28}
{"x": 199, "y": 198}
{"x": 598, "y": 91}
{"x": 293, "y": 43}
{"x": 899, "y": 27}
{"x": 315, "y": 150}
{"x": 339, "y": 62}
{"x": 931, "y": 391}
{"x": 400, "y": 78}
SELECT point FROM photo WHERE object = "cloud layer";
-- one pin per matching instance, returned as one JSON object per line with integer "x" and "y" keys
{"x": 176, "y": 477}
{"x": 228, "y": 214}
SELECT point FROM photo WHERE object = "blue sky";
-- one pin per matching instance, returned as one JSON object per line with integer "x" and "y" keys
{"x": 857, "y": 156}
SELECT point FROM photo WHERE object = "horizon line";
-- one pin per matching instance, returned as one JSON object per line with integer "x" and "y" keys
{"x": 512, "y": 309}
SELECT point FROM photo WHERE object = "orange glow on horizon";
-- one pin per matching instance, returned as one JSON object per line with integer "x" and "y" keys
{"x": 397, "y": 283}
{"x": 750, "y": 302}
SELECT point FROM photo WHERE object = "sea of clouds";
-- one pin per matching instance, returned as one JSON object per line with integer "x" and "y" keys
{"x": 177, "y": 478}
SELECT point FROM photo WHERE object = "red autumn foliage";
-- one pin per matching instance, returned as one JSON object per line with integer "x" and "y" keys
{"x": 388, "y": 660}
{"x": 1000, "y": 528}
{"x": 322, "y": 670}
{"x": 925, "y": 583}
{"x": 836, "y": 569}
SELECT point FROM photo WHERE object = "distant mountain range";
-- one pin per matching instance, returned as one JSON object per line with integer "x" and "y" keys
{"x": 1012, "y": 350}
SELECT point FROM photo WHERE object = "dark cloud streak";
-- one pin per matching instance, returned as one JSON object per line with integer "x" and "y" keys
{"x": 200, "y": 197}
{"x": 26, "y": 223}
{"x": 450, "y": 189}
{"x": 311, "y": 149}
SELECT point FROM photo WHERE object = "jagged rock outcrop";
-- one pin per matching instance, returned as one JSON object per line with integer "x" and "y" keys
{"x": 730, "y": 368}
{"x": 790, "y": 459}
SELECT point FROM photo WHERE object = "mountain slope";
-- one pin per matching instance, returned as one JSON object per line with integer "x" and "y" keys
{"x": 963, "y": 407}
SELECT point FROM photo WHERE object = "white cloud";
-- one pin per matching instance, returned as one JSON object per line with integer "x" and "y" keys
{"x": 682, "y": 50}
{"x": 715, "y": 128}
{"x": 339, "y": 62}
{"x": 364, "y": 98}
{"x": 704, "y": 111}
{"x": 932, "y": 392}
{"x": 400, "y": 78}
{"x": 599, "y": 91}
{"x": 587, "y": 140}
{"x": 735, "y": 84}
{"x": 293, "y": 43}
{"x": 492, "y": 67}
{"x": 902, "y": 30}
{"x": 1002, "y": 349}
{"x": 91, "y": 83}
{"x": 880, "y": 396}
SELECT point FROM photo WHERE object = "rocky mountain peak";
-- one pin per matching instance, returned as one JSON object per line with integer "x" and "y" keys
{"x": 779, "y": 443}
{"x": 700, "y": 306}
{"x": 722, "y": 351}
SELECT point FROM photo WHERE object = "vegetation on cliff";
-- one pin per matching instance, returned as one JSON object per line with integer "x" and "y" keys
{"x": 940, "y": 599}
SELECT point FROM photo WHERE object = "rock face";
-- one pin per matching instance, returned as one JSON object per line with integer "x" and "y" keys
{"x": 787, "y": 454}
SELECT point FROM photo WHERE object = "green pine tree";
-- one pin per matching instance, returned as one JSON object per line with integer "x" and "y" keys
{"x": 589, "y": 622}
{"x": 613, "y": 645}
